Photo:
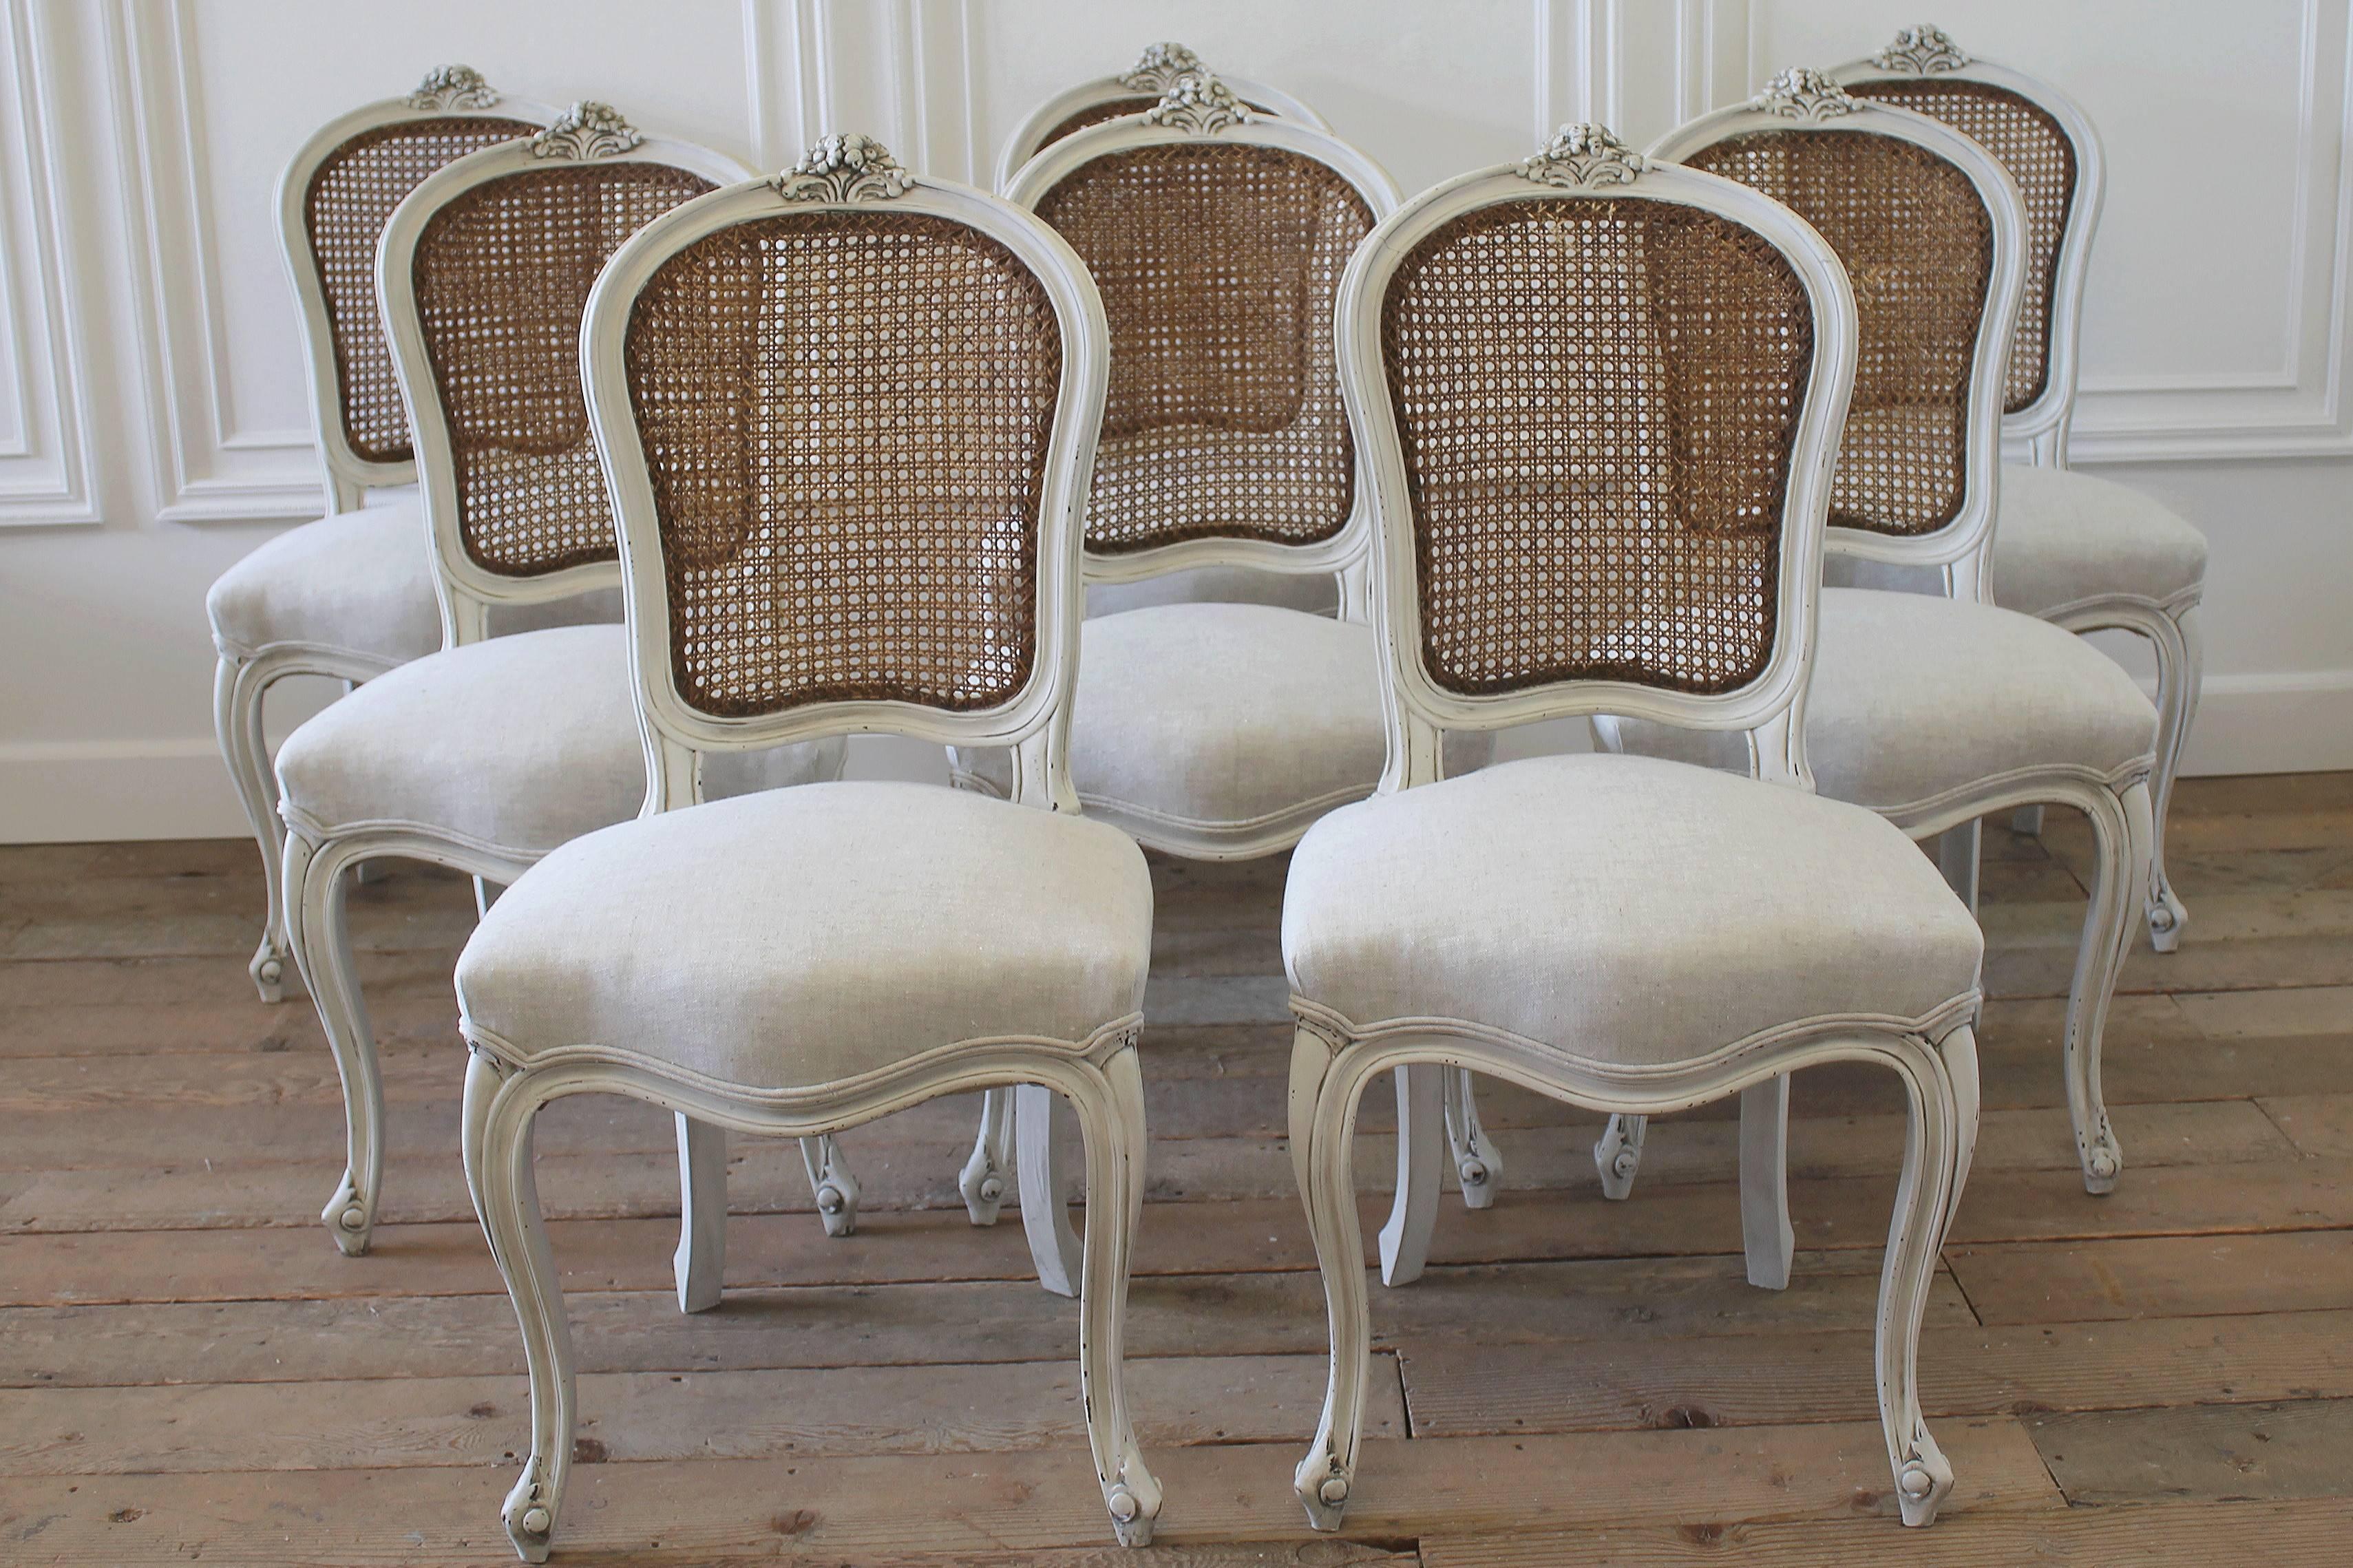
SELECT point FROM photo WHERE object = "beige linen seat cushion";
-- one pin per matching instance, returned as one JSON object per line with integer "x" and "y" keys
{"x": 357, "y": 589}
{"x": 808, "y": 936}
{"x": 2065, "y": 538}
{"x": 1198, "y": 717}
{"x": 1918, "y": 700}
{"x": 1203, "y": 716}
{"x": 516, "y": 745}
{"x": 1317, "y": 593}
{"x": 1623, "y": 910}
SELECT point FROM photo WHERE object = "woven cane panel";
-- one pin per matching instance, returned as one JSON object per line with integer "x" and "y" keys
{"x": 1218, "y": 266}
{"x": 1918, "y": 248}
{"x": 2028, "y": 142}
{"x": 502, "y": 274}
{"x": 350, "y": 197}
{"x": 1109, "y": 108}
{"x": 847, "y": 418}
{"x": 1596, "y": 401}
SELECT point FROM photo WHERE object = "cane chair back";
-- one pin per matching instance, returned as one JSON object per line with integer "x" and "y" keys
{"x": 848, "y": 417}
{"x": 485, "y": 271}
{"x": 1132, "y": 93}
{"x": 1217, "y": 238}
{"x": 1931, "y": 232}
{"x": 334, "y": 200}
{"x": 2047, "y": 145}
{"x": 1599, "y": 400}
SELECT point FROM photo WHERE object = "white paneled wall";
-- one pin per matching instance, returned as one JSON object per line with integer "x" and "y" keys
{"x": 152, "y": 421}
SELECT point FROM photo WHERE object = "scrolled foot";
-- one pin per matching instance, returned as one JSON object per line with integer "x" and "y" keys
{"x": 269, "y": 970}
{"x": 1922, "y": 1483}
{"x": 837, "y": 1204}
{"x": 1477, "y": 1175}
{"x": 2103, "y": 1159}
{"x": 529, "y": 1515}
{"x": 1619, "y": 1156}
{"x": 348, "y": 1218}
{"x": 2166, "y": 918}
{"x": 984, "y": 1186}
{"x": 1133, "y": 1512}
{"x": 1325, "y": 1498}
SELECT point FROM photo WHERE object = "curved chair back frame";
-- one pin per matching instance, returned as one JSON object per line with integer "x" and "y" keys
{"x": 1962, "y": 546}
{"x": 451, "y": 93}
{"x": 467, "y": 589}
{"x": 1770, "y": 705}
{"x": 1132, "y": 94}
{"x": 1035, "y": 720}
{"x": 1372, "y": 183}
{"x": 2043, "y": 421}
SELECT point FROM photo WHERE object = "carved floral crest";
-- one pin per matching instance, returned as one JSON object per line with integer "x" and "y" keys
{"x": 1198, "y": 102}
{"x": 1158, "y": 67}
{"x": 1799, "y": 93}
{"x": 845, "y": 169}
{"x": 1584, "y": 154}
{"x": 586, "y": 130}
{"x": 1922, "y": 50}
{"x": 452, "y": 87}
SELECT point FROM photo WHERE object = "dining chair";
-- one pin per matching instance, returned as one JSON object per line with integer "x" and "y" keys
{"x": 1211, "y": 731}
{"x": 350, "y": 595}
{"x": 1933, "y": 710}
{"x": 847, "y": 417}
{"x": 1133, "y": 90}
{"x": 2083, "y": 553}
{"x": 1600, "y": 399}
{"x": 1157, "y": 71}
{"x": 486, "y": 754}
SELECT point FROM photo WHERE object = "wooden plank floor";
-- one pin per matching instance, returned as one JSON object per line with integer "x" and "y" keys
{"x": 189, "y": 1372}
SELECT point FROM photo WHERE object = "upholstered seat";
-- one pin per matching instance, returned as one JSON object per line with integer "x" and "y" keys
{"x": 739, "y": 940}
{"x": 1315, "y": 591}
{"x": 1199, "y": 717}
{"x": 406, "y": 748}
{"x": 357, "y": 585}
{"x": 2065, "y": 538}
{"x": 2008, "y": 694}
{"x": 1623, "y": 910}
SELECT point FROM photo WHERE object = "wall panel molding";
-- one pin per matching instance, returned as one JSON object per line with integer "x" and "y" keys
{"x": 45, "y": 422}
{"x": 900, "y": 70}
{"x": 207, "y": 467}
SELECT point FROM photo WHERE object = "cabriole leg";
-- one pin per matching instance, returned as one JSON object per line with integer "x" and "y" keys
{"x": 498, "y": 1144}
{"x": 237, "y": 688}
{"x": 1925, "y": 1198}
{"x": 1956, "y": 857}
{"x": 1045, "y": 1191}
{"x": 1323, "y": 1125}
{"x": 1114, "y": 1132}
{"x": 1420, "y": 1145}
{"x": 1478, "y": 1166}
{"x": 983, "y": 1180}
{"x": 315, "y": 888}
{"x": 1766, "y": 1234}
{"x": 2120, "y": 841}
{"x": 2181, "y": 671}
{"x": 830, "y": 1181}
{"x": 1618, "y": 1155}
{"x": 700, "y": 1265}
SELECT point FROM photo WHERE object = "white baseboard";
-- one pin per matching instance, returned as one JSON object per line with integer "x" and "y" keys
{"x": 2297, "y": 723}
{"x": 56, "y": 791}
{"x": 71, "y": 792}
